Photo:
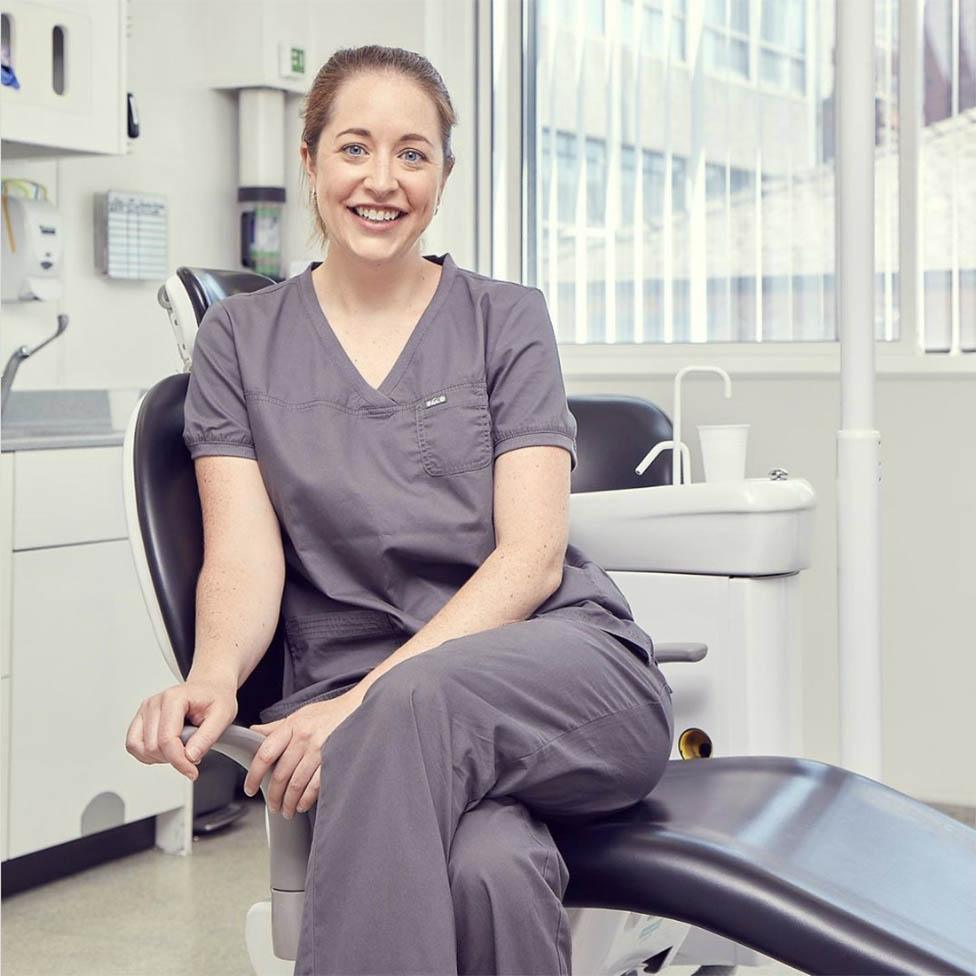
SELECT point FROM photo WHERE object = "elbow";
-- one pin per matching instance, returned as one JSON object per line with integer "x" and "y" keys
{"x": 555, "y": 577}
{"x": 543, "y": 573}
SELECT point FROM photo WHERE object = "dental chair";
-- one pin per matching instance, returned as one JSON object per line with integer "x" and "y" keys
{"x": 822, "y": 869}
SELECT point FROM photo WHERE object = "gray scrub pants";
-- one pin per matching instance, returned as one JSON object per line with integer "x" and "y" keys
{"x": 428, "y": 855}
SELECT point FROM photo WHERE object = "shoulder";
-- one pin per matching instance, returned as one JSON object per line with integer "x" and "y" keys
{"x": 254, "y": 315}
{"x": 496, "y": 298}
{"x": 247, "y": 304}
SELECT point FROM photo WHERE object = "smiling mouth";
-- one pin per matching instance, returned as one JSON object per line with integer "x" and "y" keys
{"x": 376, "y": 223}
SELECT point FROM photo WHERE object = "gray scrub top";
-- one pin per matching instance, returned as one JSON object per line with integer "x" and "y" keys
{"x": 385, "y": 496}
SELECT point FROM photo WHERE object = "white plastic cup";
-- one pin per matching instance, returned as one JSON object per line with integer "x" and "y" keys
{"x": 723, "y": 448}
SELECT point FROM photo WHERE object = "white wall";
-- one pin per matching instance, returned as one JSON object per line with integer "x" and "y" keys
{"x": 928, "y": 545}
{"x": 120, "y": 339}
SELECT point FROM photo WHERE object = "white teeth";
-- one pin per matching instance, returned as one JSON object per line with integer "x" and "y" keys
{"x": 377, "y": 214}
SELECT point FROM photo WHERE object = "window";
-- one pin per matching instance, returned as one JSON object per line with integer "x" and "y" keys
{"x": 628, "y": 182}
{"x": 567, "y": 167}
{"x": 949, "y": 175}
{"x": 725, "y": 37}
{"x": 596, "y": 182}
{"x": 724, "y": 231}
{"x": 782, "y": 45}
{"x": 595, "y": 17}
{"x": 650, "y": 26}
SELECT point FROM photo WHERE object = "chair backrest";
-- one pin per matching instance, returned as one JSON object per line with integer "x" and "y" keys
{"x": 204, "y": 286}
{"x": 614, "y": 433}
{"x": 187, "y": 294}
{"x": 166, "y": 537}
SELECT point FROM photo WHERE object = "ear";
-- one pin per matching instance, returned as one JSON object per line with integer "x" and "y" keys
{"x": 307, "y": 161}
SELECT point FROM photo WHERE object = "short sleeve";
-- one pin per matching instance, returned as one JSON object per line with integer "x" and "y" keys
{"x": 214, "y": 410}
{"x": 526, "y": 394}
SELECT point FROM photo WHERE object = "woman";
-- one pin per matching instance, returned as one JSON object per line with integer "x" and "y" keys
{"x": 383, "y": 447}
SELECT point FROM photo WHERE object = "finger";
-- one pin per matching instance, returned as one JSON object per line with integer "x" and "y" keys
{"x": 265, "y": 727}
{"x": 171, "y": 718}
{"x": 152, "y": 730}
{"x": 211, "y": 728}
{"x": 267, "y": 753}
{"x": 298, "y": 783}
{"x": 284, "y": 771}
{"x": 311, "y": 794}
{"x": 135, "y": 743}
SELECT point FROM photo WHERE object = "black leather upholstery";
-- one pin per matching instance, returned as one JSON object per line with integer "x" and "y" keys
{"x": 208, "y": 285}
{"x": 825, "y": 870}
{"x": 171, "y": 523}
{"x": 614, "y": 433}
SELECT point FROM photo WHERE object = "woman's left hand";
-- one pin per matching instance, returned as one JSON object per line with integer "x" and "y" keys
{"x": 293, "y": 745}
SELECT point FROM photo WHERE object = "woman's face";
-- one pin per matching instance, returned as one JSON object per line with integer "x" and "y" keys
{"x": 394, "y": 163}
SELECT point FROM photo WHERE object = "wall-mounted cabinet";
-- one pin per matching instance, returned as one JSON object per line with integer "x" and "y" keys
{"x": 69, "y": 58}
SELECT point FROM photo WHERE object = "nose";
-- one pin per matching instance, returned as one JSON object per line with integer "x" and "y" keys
{"x": 380, "y": 179}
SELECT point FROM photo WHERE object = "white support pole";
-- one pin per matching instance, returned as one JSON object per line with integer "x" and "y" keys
{"x": 858, "y": 443}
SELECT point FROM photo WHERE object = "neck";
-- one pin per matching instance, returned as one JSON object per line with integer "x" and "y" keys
{"x": 360, "y": 287}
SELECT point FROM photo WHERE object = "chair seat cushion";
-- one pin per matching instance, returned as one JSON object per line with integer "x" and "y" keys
{"x": 823, "y": 869}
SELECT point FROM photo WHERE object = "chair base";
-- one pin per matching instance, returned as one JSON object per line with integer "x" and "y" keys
{"x": 606, "y": 942}
{"x": 257, "y": 936}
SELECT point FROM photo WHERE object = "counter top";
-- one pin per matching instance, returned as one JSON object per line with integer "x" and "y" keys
{"x": 21, "y": 440}
{"x": 47, "y": 420}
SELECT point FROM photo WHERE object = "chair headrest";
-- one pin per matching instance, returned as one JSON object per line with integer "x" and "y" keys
{"x": 189, "y": 292}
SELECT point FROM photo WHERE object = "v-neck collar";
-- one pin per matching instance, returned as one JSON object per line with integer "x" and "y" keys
{"x": 379, "y": 396}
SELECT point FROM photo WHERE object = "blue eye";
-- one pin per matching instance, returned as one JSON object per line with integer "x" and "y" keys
{"x": 420, "y": 156}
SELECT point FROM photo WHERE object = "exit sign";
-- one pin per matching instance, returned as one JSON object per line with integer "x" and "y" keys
{"x": 291, "y": 61}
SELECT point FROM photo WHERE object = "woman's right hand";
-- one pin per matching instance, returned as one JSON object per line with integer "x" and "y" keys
{"x": 154, "y": 735}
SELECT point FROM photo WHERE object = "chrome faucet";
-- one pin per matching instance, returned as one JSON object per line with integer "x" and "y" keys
{"x": 681, "y": 463}
{"x": 19, "y": 355}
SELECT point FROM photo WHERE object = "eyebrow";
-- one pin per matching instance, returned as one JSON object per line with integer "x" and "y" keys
{"x": 368, "y": 135}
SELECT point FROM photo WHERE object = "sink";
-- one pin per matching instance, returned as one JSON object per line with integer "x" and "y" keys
{"x": 753, "y": 527}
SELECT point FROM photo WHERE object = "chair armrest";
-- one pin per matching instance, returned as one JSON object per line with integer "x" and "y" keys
{"x": 290, "y": 840}
{"x": 668, "y": 653}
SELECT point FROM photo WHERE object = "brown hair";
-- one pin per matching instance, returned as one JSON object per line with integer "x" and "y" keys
{"x": 346, "y": 64}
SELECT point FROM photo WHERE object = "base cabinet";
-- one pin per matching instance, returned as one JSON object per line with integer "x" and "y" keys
{"x": 5, "y": 747}
{"x": 83, "y": 659}
{"x": 745, "y": 695}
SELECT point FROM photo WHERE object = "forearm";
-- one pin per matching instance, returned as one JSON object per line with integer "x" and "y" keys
{"x": 237, "y": 610}
{"x": 508, "y": 586}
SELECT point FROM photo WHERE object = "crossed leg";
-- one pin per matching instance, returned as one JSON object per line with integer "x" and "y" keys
{"x": 555, "y": 714}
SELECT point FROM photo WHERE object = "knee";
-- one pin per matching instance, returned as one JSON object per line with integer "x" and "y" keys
{"x": 408, "y": 692}
{"x": 423, "y": 674}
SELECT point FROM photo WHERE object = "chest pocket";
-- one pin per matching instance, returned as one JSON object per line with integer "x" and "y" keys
{"x": 454, "y": 429}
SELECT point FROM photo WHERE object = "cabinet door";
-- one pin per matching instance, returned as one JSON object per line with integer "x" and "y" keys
{"x": 6, "y": 547}
{"x": 5, "y": 749}
{"x": 69, "y": 57}
{"x": 85, "y": 657}
{"x": 675, "y": 607}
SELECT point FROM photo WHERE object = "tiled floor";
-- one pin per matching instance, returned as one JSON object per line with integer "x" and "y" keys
{"x": 154, "y": 914}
